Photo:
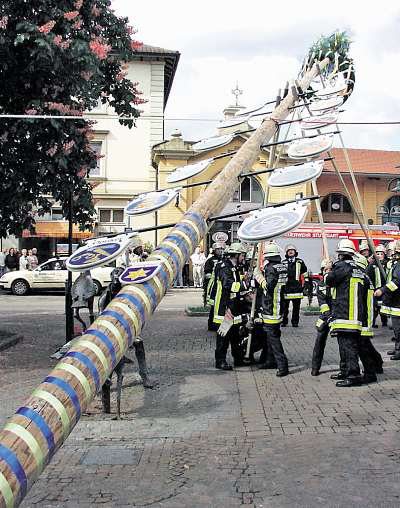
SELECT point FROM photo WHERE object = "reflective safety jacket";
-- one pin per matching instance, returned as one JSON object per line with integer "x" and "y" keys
{"x": 347, "y": 282}
{"x": 373, "y": 272}
{"x": 227, "y": 294}
{"x": 324, "y": 298}
{"x": 389, "y": 268}
{"x": 296, "y": 275}
{"x": 391, "y": 292}
{"x": 275, "y": 277}
{"x": 209, "y": 277}
{"x": 368, "y": 316}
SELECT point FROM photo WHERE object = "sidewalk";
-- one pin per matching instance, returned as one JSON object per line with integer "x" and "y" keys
{"x": 210, "y": 438}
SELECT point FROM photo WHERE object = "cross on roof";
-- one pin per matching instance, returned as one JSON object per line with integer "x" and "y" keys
{"x": 237, "y": 93}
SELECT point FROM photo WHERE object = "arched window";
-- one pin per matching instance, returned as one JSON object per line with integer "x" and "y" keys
{"x": 394, "y": 185}
{"x": 335, "y": 203}
{"x": 391, "y": 210}
{"x": 250, "y": 191}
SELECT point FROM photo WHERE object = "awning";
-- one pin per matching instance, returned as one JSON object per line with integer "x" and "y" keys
{"x": 55, "y": 229}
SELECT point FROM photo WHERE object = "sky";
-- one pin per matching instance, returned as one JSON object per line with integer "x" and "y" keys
{"x": 260, "y": 45}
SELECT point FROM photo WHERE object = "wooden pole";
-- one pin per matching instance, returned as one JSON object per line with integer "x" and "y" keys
{"x": 38, "y": 429}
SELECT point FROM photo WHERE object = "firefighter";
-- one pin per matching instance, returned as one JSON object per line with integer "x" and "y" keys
{"x": 378, "y": 280}
{"x": 228, "y": 307}
{"x": 346, "y": 281}
{"x": 272, "y": 281}
{"x": 296, "y": 275}
{"x": 369, "y": 356}
{"x": 390, "y": 294}
{"x": 209, "y": 281}
{"x": 325, "y": 307}
{"x": 364, "y": 249}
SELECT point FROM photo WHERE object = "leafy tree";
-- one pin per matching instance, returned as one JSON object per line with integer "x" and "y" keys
{"x": 57, "y": 57}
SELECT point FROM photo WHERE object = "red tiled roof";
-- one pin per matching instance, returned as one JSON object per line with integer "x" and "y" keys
{"x": 373, "y": 162}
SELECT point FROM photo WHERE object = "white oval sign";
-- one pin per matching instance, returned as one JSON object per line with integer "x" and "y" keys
{"x": 304, "y": 148}
{"x": 294, "y": 175}
{"x": 146, "y": 203}
{"x": 220, "y": 236}
{"x": 210, "y": 143}
{"x": 185, "y": 172}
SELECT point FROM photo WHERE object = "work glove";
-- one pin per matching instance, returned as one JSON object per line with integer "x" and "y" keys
{"x": 226, "y": 324}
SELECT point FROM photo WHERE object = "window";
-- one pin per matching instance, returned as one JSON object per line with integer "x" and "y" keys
{"x": 394, "y": 185}
{"x": 57, "y": 214}
{"x": 96, "y": 146}
{"x": 250, "y": 191}
{"x": 335, "y": 203}
{"x": 391, "y": 210}
{"x": 111, "y": 215}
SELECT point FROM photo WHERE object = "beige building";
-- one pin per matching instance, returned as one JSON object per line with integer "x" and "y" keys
{"x": 125, "y": 168}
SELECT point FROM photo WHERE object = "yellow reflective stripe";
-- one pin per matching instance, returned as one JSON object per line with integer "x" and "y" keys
{"x": 125, "y": 308}
{"x": 6, "y": 491}
{"x": 176, "y": 249}
{"x": 186, "y": 237}
{"x": 392, "y": 286}
{"x": 370, "y": 306}
{"x": 319, "y": 322}
{"x": 298, "y": 268}
{"x": 324, "y": 308}
{"x": 194, "y": 226}
{"x": 378, "y": 280}
{"x": 276, "y": 299}
{"x": 217, "y": 303}
{"x": 271, "y": 321}
{"x": 30, "y": 442}
{"x": 351, "y": 300}
{"x": 74, "y": 371}
{"x": 142, "y": 294}
{"x": 394, "y": 311}
{"x": 235, "y": 288}
{"x": 367, "y": 332}
{"x": 385, "y": 309}
{"x": 345, "y": 326}
{"x": 333, "y": 293}
{"x": 114, "y": 330}
{"x": 237, "y": 320}
{"x": 292, "y": 296}
{"x": 98, "y": 352}
{"x": 57, "y": 406}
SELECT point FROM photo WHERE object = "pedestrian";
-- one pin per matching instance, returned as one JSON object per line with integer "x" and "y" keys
{"x": 347, "y": 281}
{"x": 297, "y": 275}
{"x": 364, "y": 249}
{"x": 390, "y": 294}
{"x": 228, "y": 309}
{"x": 378, "y": 280}
{"x": 272, "y": 282}
{"x": 35, "y": 253}
{"x": 32, "y": 260}
{"x": 198, "y": 259}
{"x": 12, "y": 260}
{"x": 2, "y": 262}
{"x": 23, "y": 260}
{"x": 324, "y": 298}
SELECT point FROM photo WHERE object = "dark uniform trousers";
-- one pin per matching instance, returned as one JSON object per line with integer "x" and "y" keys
{"x": 396, "y": 333}
{"x": 274, "y": 345}
{"x": 222, "y": 345}
{"x": 296, "y": 302}
{"x": 319, "y": 347}
{"x": 352, "y": 347}
{"x": 377, "y": 312}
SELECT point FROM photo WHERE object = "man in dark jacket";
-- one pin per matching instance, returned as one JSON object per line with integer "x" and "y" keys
{"x": 347, "y": 282}
{"x": 228, "y": 307}
{"x": 209, "y": 281}
{"x": 272, "y": 281}
{"x": 297, "y": 275}
{"x": 325, "y": 306}
{"x": 390, "y": 294}
{"x": 378, "y": 280}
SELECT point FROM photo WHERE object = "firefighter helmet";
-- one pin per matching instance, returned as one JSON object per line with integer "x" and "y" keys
{"x": 346, "y": 246}
{"x": 290, "y": 246}
{"x": 234, "y": 248}
{"x": 361, "y": 261}
{"x": 363, "y": 246}
{"x": 397, "y": 246}
{"x": 271, "y": 250}
{"x": 380, "y": 248}
{"x": 218, "y": 245}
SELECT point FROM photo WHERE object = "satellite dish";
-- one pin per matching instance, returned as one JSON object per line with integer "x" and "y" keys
{"x": 326, "y": 104}
{"x": 231, "y": 122}
{"x": 185, "y": 172}
{"x": 294, "y": 175}
{"x": 318, "y": 122}
{"x": 146, "y": 203}
{"x": 215, "y": 142}
{"x": 98, "y": 252}
{"x": 271, "y": 222}
{"x": 309, "y": 147}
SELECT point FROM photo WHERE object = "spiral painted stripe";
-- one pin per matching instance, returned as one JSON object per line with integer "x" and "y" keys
{"x": 87, "y": 362}
{"x": 14, "y": 464}
{"x": 40, "y": 423}
{"x": 116, "y": 315}
{"x": 30, "y": 442}
{"x": 67, "y": 388}
{"x": 106, "y": 341}
{"x": 74, "y": 371}
{"x": 6, "y": 492}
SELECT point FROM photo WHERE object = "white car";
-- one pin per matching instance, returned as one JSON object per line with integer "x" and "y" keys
{"x": 50, "y": 275}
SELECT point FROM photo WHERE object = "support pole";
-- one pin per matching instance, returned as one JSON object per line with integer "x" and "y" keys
{"x": 38, "y": 429}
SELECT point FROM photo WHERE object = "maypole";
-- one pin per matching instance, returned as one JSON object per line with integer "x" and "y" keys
{"x": 38, "y": 429}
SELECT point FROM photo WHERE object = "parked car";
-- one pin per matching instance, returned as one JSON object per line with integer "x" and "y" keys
{"x": 50, "y": 275}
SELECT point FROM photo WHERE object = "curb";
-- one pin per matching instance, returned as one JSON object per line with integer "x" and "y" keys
{"x": 12, "y": 341}
{"x": 195, "y": 314}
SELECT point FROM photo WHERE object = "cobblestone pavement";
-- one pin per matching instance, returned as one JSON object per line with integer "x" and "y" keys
{"x": 209, "y": 438}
